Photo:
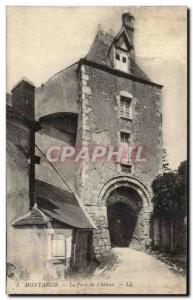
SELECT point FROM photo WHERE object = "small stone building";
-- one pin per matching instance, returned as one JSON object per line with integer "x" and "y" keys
{"x": 103, "y": 99}
{"x": 49, "y": 234}
{"x": 56, "y": 232}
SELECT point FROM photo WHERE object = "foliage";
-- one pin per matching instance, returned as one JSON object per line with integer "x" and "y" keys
{"x": 165, "y": 162}
{"x": 170, "y": 193}
{"x": 181, "y": 188}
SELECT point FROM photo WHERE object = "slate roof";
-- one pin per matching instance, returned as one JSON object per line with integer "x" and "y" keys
{"x": 50, "y": 192}
{"x": 33, "y": 217}
{"x": 64, "y": 84}
{"x": 61, "y": 205}
{"x": 53, "y": 203}
{"x": 137, "y": 71}
{"x": 22, "y": 81}
{"x": 15, "y": 116}
{"x": 9, "y": 99}
{"x": 99, "y": 51}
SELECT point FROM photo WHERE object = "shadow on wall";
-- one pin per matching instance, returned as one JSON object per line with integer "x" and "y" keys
{"x": 122, "y": 222}
{"x": 123, "y": 208}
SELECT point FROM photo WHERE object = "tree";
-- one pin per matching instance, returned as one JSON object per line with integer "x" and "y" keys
{"x": 165, "y": 162}
{"x": 170, "y": 203}
{"x": 170, "y": 193}
{"x": 165, "y": 198}
{"x": 181, "y": 189}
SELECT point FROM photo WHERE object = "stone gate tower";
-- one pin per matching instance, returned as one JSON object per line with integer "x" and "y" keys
{"x": 119, "y": 105}
{"x": 106, "y": 99}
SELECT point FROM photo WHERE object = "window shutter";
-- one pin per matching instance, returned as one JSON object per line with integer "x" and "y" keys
{"x": 125, "y": 107}
{"x": 58, "y": 245}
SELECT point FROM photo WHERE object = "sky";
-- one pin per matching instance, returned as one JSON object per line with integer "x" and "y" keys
{"x": 44, "y": 40}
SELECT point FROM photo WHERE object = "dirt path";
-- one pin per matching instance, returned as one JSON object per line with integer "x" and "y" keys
{"x": 122, "y": 271}
{"x": 138, "y": 272}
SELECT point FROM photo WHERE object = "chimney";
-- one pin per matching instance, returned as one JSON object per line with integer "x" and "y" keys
{"x": 23, "y": 101}
{"x": 127, "y": 22}
{"x": 23, "y": 98}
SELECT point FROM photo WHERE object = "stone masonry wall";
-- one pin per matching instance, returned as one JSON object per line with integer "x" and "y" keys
{"x": 100, "y": 125}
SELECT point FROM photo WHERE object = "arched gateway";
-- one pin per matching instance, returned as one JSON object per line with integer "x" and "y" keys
{"x": 123, "y": 208}
{"x": 128, "y": 206}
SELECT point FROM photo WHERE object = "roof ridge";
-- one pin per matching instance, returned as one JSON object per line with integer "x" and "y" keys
{"x": 105, "y": 32}
{"x": 57, "y": 73}
{"x": 46, "y": 219}
{"x": 29, "y": 214}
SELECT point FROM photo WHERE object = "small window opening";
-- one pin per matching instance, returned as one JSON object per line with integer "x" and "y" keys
{"x": 126, "y": 168}
{"x": 117, "y": 56}
{"x": 124, "y": 59}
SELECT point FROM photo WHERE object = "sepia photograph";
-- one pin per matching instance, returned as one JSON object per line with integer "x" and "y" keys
{"x": 96, "y": 150}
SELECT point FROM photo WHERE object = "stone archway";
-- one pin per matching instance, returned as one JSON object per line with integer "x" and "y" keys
{"x": 123, "y": 208}
{"x": 136, "y": 204}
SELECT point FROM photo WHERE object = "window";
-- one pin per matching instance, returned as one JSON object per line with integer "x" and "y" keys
{"x": 58, "y": 245}
{"x": 125, "y": 137}
{"x": 122, "y": 60}
{"x": 126, "y": 168}
{"x": 117, "y": 56}
{"x": 125, "y": 107}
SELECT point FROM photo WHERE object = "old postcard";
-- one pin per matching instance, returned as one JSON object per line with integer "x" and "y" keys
{"x": 96, "y": 150}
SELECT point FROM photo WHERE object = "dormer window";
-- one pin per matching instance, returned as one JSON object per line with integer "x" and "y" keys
{"x": 117, "y": 56}
{"x": 122, "y": 60}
